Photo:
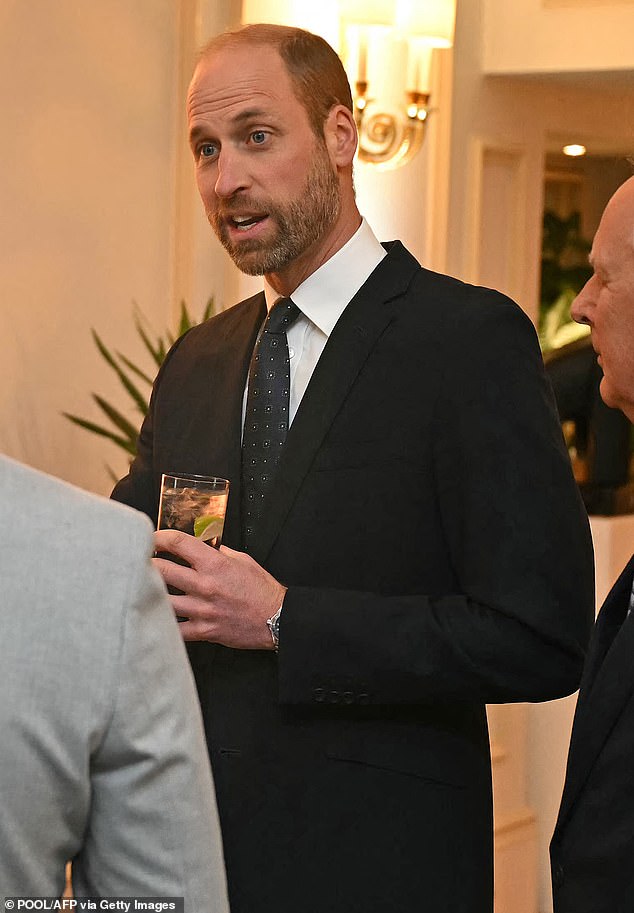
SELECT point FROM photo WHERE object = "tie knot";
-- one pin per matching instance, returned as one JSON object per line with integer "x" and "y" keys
{"x": 283, "y": 313}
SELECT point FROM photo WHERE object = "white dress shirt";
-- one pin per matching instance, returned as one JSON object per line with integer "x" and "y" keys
{"x": 322, "y": 299}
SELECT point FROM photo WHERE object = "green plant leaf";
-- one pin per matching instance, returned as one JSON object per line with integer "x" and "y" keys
{"x": 135, "y": 369}
{"x": 156, "y": 351}
{"x": 124, "y": 443}
{"x": 137, "y": 396}
{"x": 210, "y": 308}
{"x": 117, "y": 362}
{"x": 117, "y": 418}
{"x": 185, "y": 322}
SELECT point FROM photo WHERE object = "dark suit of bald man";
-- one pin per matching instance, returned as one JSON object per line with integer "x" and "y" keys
{"x": 593, "y": 845}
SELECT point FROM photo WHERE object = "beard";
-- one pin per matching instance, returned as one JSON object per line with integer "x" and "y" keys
{"x": 299, "y": 223}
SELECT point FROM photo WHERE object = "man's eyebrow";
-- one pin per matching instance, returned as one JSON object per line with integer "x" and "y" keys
{"x": 250, "y": 114}
{"x": 196, "y": 132}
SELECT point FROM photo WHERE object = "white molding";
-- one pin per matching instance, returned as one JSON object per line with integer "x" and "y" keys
{"x": 511, "y": 264}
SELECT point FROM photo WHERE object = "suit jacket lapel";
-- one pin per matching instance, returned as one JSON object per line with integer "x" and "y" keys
{"x": 353, "y": 338}
{"x": 606, "y": 685}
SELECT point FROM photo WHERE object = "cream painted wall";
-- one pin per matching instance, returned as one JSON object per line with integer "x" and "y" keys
{"x": 201, "y": 265}
{"x": 409, "y": 203}
{"x": 88, "y": 102}
{"x": 98, "y": 209}
{"x": 532, "y": 36}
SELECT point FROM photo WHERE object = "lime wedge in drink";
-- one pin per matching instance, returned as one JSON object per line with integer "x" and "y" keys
{"x": 208, "y": 526}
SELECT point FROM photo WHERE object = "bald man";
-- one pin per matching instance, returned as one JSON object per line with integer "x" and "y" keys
{"x": 593, "y": 846}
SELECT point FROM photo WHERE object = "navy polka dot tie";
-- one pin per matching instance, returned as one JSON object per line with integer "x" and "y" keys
{"x": 266, "y": 416}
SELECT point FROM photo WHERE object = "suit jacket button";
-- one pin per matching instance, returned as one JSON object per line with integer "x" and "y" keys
{"x": 363, "y": 698}
{"x": 558, "y": 875}
{"x": 347, "y": 697}
{"x": 333, "y": 697}
{"x": 319, "y": 695}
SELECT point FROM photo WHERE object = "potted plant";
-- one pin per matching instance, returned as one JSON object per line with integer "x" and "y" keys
{"x": 136, "y": 381}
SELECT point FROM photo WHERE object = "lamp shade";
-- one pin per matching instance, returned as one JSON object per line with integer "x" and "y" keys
{"x": 321, "y": 18}
{"x": 368, "y": 12}
{"x": 429, "y": 20}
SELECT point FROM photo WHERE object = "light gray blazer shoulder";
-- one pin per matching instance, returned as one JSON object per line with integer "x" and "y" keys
{"x": 102, "y": 758}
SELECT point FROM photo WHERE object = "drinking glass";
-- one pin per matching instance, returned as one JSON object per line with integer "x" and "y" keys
{"x": 194, "y": 504}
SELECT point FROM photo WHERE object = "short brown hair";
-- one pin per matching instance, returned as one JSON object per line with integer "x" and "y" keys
{"x": 317, "y": 74}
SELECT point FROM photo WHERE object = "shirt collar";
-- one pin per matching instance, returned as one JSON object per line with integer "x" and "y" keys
{"x": 324, "y": 295}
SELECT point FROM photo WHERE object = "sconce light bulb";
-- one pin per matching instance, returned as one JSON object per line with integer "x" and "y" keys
{"x": 574, "y": 149}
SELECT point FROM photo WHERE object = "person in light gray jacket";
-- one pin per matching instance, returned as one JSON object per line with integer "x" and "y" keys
{"x": 102, "y": 755}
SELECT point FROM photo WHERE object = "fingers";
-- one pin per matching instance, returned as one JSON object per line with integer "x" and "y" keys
{"x": 195, "y": 552}
{"x": 201, "y": 621}
{"x": 176, "y": 575}
{"x": 185, "y": 607}
{"x": 189, "y": 630}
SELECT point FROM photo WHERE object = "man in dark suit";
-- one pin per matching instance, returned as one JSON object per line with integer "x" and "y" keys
{"x": 415, "y": 549}
{"x": 593, "y": 845}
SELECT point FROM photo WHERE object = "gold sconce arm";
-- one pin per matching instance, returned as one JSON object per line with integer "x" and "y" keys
{"x": 388, "y": 45}
{"x": 388, "y": 140}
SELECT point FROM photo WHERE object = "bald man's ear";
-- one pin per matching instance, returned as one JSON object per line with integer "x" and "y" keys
{"x": 340, "y": 134}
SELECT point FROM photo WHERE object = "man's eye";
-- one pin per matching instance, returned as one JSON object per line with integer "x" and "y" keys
{"x": 207, "y": 150}
{"x": 258, "y": 137}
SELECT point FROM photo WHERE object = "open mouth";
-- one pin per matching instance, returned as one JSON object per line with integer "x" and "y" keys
{"x": 245, "y": 223}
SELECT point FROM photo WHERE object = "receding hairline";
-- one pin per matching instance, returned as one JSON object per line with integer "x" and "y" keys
{"x": 311, "y": 63}
{"x": 268, "y": 34}
{"x": 260, "y": 33}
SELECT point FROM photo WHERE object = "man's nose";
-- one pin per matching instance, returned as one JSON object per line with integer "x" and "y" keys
{"x": 581, "y": 308}
{"x": 232, "y": 175}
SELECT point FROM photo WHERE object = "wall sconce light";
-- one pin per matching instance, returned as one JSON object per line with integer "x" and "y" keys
{"x": 574, "y": 150}
{"x": 371, "y": 30}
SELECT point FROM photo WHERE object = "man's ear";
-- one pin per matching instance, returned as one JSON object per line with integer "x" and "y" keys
{"x": 340, "y": 134}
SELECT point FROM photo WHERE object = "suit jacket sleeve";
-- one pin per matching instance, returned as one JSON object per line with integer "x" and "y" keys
{"x": 515, "y": 624}
{"x": 140, "y": 488}
{"x": 153, "y": 826}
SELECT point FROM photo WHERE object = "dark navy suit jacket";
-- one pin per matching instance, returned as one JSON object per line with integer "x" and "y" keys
{"x": 437, "y": 554}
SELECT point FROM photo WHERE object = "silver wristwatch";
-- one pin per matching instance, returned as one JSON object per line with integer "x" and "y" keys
{"x": 273, "y": 624}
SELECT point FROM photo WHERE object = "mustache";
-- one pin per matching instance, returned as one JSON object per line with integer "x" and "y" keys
{"x": 239, "y": 205}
